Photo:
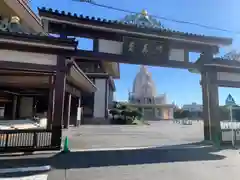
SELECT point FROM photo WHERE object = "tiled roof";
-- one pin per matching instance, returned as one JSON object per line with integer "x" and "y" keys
{"x": 118, "y": 24}
{"x": 38, "y": 36}
{"x": 222, "y": 61}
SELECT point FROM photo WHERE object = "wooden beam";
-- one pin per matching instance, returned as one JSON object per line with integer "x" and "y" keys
{"x": 90, "y": 55}
{"x": 193, "y": 47}
{"x": 231, "y": 69}
{"x": 232, "y": 84}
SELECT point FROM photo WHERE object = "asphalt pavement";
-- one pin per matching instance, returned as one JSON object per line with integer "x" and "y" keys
{"x": 161, "y": 150}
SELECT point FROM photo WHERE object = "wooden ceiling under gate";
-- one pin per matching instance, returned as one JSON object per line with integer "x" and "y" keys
{"x": 115, "y": 41}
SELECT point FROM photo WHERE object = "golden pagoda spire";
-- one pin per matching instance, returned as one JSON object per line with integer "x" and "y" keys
{"x": 144, "y": 13}
{"x": 15, "y": 19}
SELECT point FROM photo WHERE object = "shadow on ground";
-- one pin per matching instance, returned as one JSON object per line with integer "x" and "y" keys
{"x": 72, "y": 160}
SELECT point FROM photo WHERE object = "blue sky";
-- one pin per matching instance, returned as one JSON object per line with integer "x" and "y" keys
{"x": 222, "y": 14}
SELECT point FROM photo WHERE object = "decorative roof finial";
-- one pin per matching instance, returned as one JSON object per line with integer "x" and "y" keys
{"x": 15, "y": 19}
{"x": 143, "y": 20}
{"x": 144, "y": 13}
{"x": 15, "y": 25}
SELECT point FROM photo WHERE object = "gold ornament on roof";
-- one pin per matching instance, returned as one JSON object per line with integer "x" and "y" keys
{"x": 144, "y": 13}
{"x": 142, "y": 19}
{"x": 15, "y": 19}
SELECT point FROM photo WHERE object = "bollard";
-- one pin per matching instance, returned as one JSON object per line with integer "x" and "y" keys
{"x": 66, "y": 145}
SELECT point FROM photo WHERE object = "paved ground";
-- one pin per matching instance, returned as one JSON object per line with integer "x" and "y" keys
{"x": 113, "y": 136}
{"x": 175, "y": 153}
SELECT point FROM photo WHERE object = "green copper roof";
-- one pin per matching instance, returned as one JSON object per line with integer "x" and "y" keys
{"x": 195, "y": 71}
{"x": 142, "y": 19}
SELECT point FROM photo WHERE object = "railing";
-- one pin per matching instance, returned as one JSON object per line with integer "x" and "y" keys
{"x": 27, "y": 140}
{"x": 183, "y": 121}
{"x": 230, "y": 132}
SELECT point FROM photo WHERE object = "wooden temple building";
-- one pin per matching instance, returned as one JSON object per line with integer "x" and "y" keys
{"x": 41, "y": 62}
{"x": 40, "y": 76}
{"x": 30, "y": 84}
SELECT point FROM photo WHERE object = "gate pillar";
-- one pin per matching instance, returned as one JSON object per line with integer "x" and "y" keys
{"x": 212, "y": 129}
{"x": 206, "y": 57}
{"x": 205, "y": 99}
{"x": 59, "y": 97}
{"x": 215, "y": 128}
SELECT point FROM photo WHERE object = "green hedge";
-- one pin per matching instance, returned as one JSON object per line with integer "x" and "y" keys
{"x": 123, "y": 114}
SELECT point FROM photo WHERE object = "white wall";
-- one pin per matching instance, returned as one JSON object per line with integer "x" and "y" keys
{"x": 107, "y": 94}
{"x": 170, "y": 113}
{"x": 99, "y": 98}
{"x": 110, "y": 97}
{"x": 177, "y": 55}
{"x": 158, "y": 113}
{"x": 227, "y": 76}
{"x": 112, "y": 47}
{"x": 27, "y": 57}
{"x": 26, "y": 106}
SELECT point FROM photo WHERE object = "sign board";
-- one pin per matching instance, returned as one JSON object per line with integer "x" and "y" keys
{"x": 230, "y": 101}
{"x": 150, "y": 51}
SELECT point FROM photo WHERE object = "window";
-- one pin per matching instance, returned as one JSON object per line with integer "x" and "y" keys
{"x": 159, "y": 112}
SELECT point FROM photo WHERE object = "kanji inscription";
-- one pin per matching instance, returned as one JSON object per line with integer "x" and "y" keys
{"x": 138, "y": 48}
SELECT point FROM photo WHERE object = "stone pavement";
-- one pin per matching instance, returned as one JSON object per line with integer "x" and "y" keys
{"x": 155, "y": 155}
{"x": 114, "y": 136}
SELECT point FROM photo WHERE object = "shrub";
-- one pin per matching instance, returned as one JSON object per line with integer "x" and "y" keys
{"x": 124, "y": 113}
{"x": 181, "y": 114}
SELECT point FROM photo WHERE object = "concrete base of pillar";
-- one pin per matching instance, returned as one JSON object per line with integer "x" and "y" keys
{"x": 206, "y": 133}
{"x": 216, "y": 135}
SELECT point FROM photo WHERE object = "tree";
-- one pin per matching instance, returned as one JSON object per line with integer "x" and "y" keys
{"x": 178, "y": 114}
{"x": 123, "y": 107}
{"x": 114, "y": 112}
{"x": 125, "y": 113}
{"x": 224, "y": 113}
{"x": 185, "y": 114}
{"x": 136, "y": 114}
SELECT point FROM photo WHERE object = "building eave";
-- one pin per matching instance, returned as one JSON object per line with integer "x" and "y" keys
{"x": 36, "y": 43}
{"x": 112, "y": 68}
{"x": 112, "y": 84}
{"x": 80, "y": 79}
{"x": 109, "y": 26}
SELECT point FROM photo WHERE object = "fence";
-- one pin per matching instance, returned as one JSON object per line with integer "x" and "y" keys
{"x": 230, "y": 132}
{"x": 230, "y": 128}
{"x": 183, "y": 121}
{"x": 29, "y": 140}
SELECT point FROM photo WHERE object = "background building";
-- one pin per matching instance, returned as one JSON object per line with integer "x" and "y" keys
{"x": 144, "y": 97}
{"x": 194, "y": 107}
